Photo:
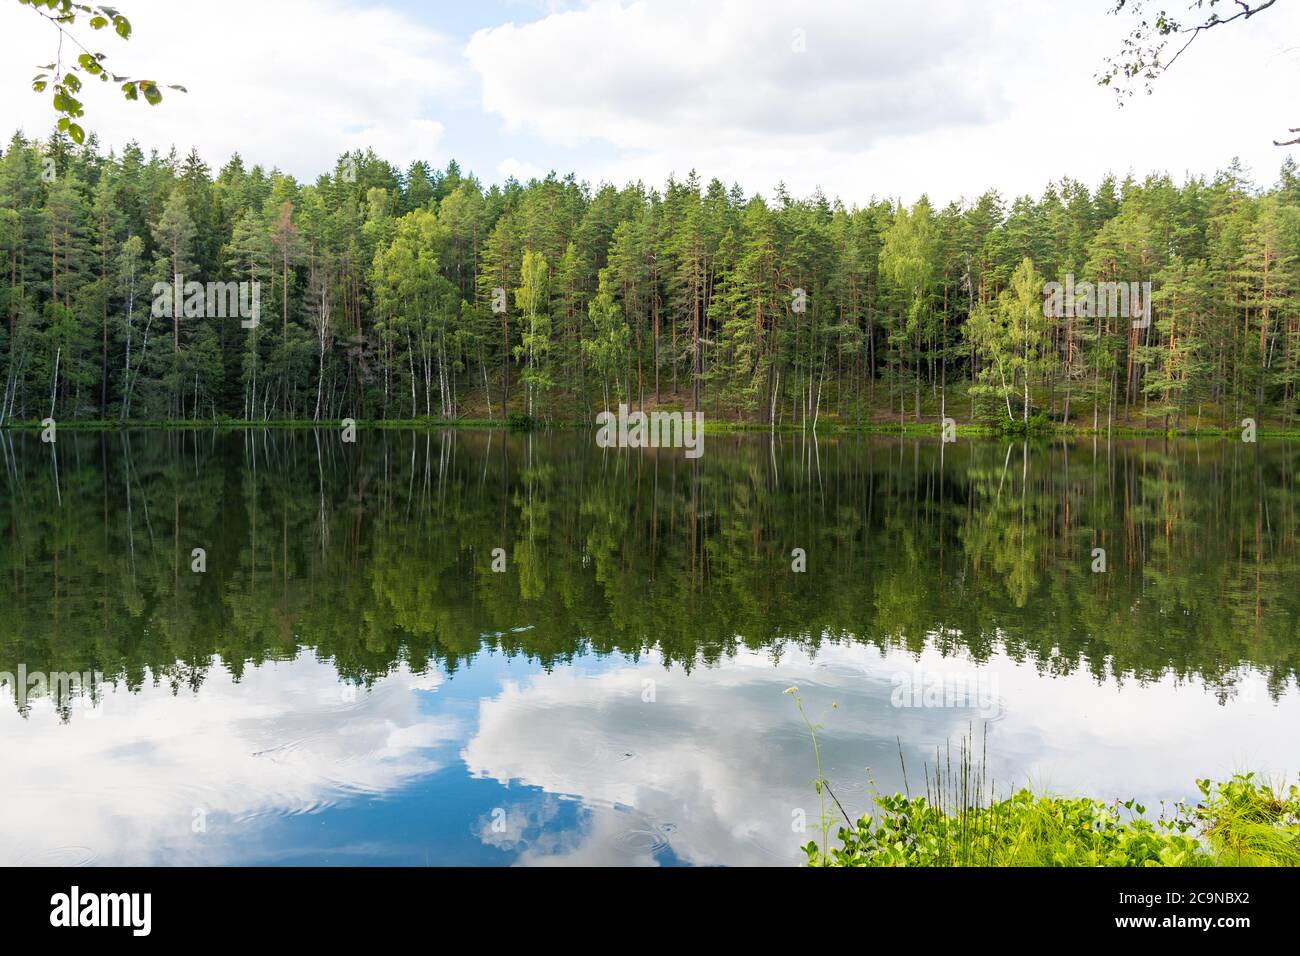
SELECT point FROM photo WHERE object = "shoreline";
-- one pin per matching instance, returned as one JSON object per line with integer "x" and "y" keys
{"x": 914, "y": 429}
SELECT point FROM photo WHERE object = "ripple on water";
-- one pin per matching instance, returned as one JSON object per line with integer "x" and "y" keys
{"x": 641, "y": 840}
{"x": 650, "y": 837}
{"x": 600, "y": 753}
{"x": 289, "y": 750}
{"x": 61, "y": 856}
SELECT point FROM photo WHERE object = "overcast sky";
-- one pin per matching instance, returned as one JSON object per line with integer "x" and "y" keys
{"x": 862, "y": 98}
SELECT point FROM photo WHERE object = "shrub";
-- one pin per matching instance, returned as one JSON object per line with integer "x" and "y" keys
{"x": 1237, "y": 823}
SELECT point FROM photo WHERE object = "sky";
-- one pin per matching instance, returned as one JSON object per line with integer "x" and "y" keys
{"x": 861, "y": 98}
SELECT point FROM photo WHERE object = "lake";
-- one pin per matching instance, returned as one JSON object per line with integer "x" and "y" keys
{"x": 476, "y": 647}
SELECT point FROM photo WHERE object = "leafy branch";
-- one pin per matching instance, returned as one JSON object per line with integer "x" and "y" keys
{"x": 65, "y": 78}
{"x": 1145, "y": 46}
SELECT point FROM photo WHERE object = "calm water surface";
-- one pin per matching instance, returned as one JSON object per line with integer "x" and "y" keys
{"x": 349, "y": 681}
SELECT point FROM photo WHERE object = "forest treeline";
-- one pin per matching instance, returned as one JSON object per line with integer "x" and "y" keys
{"x": 402, "y": 294}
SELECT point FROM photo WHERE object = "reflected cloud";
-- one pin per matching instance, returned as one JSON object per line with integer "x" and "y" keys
{"x": 132, "y": 786}
{"x": 719, "y": 766}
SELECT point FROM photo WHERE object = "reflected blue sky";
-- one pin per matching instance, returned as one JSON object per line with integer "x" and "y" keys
{"x": 603, "y": 761}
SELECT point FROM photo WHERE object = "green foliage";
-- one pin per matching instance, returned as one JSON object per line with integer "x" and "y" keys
{"x": 1038, "y": 424}
{"x": 520, "y": 422}
{"x": 1237, "y": 823}
{"x": 1249, "y": 823}
{"x": 389, "y": 295}
{"x": 1022, "y": 830}
{"x": 65, "y": 78}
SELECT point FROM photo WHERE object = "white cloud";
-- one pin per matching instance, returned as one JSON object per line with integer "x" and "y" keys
{"x": 520, "y": 170}
{"x": 886, "y": 99}
{"x": 632, "y": 74}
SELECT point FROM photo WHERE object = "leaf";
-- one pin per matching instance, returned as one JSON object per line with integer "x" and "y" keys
{"x": 76, "y": 133}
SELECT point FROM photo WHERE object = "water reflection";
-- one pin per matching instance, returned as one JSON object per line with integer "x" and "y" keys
{"x": 721, "y": 759}
{"x": 164, "y": 776}
{"x": 350, "y": 681}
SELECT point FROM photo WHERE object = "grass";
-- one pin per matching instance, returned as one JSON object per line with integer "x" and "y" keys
{"x": 960, "y": 822}
{"x": 1241, "y": 822}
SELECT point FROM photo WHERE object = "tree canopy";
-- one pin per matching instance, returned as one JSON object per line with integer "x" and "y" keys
{"x": 400, "y": 294}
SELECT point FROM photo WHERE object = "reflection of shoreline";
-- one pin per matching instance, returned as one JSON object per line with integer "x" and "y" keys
{"x": 825, "y": 429}
{"x": 976, "y": 547}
